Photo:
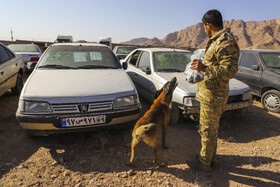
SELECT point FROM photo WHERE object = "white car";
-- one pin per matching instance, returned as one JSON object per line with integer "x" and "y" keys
{"x": 77, "y": 87}
{"x": 151, "y": 68}
{"x": 11, "y": 71}
{"x": 31, "y": 53}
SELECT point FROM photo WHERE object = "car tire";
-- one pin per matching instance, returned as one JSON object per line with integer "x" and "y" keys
{"x": 19, "y": 84}
{"x": 271, "y": 100}
{"x": 174, "y": 114}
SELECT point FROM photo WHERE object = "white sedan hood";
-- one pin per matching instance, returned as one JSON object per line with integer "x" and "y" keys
{"x": 76, "y": 85}
{"x": 236, "y": 87}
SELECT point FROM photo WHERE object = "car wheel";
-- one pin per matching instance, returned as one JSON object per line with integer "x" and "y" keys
{"x": 271, "y": 100}
{"x": 19, "y": 84}
{"x": 174, "y": 114}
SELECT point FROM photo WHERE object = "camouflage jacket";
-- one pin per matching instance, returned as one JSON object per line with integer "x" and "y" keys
{"x": 221, "y": 58}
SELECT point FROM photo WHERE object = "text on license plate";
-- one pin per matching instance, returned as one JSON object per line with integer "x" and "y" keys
{"x": 80, "y": 121}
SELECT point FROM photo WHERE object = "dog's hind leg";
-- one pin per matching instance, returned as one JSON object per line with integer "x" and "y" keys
{"x": 156, "y": 149}
{"x": 134, "y": 142}
{"x": 164, "y": 129}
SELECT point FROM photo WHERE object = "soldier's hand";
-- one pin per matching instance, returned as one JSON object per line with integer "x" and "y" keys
{"x": 197, "y": 65}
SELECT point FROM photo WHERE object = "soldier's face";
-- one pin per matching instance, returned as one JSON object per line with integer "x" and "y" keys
{"x": 207, "y": 29}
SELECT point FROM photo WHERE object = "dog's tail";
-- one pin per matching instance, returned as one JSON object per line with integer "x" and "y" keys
{"x": 143, "y": 130}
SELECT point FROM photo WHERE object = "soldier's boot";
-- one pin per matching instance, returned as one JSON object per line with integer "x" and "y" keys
{"x": 197, "y": 165}
{"x": 213, "y": 162}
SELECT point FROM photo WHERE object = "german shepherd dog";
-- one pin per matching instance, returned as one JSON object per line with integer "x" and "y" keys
{"x": 146, "y": 128}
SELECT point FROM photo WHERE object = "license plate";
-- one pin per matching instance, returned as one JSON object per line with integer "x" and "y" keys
{"x": 82, "y": 121}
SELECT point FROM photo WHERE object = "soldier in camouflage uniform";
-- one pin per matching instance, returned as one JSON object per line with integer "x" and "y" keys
{"x": 219, "y": 65}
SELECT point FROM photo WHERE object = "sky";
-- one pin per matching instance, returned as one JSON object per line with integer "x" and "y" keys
{"x": 122, "y": 20}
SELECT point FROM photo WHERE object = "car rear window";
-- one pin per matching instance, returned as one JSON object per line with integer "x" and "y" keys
{"x": 23, "y": 48}
{"x": 80, "y": 57}
{"x": 271, "y": 60}
{"x": 171, "y": 61}
{"x": 125, "y": 50}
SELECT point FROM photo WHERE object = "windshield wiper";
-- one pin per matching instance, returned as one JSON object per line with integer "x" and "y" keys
{"x": 169, "y": 70}
{"x": 95, "y": 67}
{"x": 55, "y": 66}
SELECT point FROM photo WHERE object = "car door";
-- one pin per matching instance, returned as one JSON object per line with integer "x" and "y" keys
{"x": 132, "y": 69}
{"x": 144, "y": 76}
{"x": 7, "y": 77}
{"x": 250, "y": 71}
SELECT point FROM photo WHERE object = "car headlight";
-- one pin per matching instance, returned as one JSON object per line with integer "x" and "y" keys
{"x": 191, "y": 101}
{"x": 123, "y": 102}
{"x": 247, "y": 96}
{"x": 36, "y": 107}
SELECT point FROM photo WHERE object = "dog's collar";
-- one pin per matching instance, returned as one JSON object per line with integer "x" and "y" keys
{"x": 164, "y": 103}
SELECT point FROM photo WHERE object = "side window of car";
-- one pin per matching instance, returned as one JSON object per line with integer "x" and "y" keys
{"x": 11, "y": 55}
{"x": 248, "y": 59}
{"x": 144, "y": 60}
{"x": 3, "y": 55}
{"x": 133, "y": 59}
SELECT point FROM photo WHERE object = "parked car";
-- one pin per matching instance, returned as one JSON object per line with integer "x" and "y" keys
{"x": 11, "y": 71}
{"x": 150, "y": 68}
{"x": 122, "y": 51}
{"x": 64, "y": 39}
{"x": 31, "y": 53}
{"x": 260, "y": 69}
{"x": 106, "y": 41}
{"x": 77, "y": 87}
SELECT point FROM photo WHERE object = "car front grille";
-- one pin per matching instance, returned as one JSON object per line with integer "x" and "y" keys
{"x": 75, "y": 108}
{"x": 101, "y": 106}
{"x": 234, "y": 99}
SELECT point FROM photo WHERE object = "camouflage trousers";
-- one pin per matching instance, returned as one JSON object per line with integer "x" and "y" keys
{"x": 210, "y": 115}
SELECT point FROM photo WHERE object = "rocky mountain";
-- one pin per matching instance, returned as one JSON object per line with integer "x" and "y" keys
{"x": 136, "y": 41}
{"x": 154, "y": 41}
{"x": 249, "y": 35}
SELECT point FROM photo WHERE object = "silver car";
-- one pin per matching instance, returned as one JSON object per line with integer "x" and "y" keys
{"x": 31, "y": 53}
{"x": 11, "y": 71}
{"x": 122, "y": 51}
{"x": 77, "y": 87}
{"x": 151, "y": 68}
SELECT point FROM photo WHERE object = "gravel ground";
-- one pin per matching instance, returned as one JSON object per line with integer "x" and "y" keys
{"x": 248, "y": 154}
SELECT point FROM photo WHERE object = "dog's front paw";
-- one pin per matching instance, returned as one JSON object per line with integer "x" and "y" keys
{"x": 164, "y": 147}
{"x": 129, "y": 164}
{"x": 159, "y": 164}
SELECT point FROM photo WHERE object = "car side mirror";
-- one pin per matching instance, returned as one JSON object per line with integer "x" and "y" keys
{"x": 255, "y": 67}
{"x": 124, "y": 65}
{"x": 147, "y": 70}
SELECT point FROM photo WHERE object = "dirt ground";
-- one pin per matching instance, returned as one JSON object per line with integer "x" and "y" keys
{"x": 248, "y": 154}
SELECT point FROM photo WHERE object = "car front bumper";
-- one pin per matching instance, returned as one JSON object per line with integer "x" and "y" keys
{"x": 230, "y": 106}
{"x": 46, "y": 124}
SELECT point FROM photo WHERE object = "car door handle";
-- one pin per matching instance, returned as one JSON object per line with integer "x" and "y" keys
{"x": 16, "y": 64}
{"x": 2, "y": 73}
{"x": 135, "y": 75}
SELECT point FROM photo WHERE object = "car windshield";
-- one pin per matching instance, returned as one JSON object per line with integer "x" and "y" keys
{"x": 125, "y": 50}
{"x": 271, "y": 60}
{"x": 23, "y": 48}
{"x": 171, "y": 61}
{"x": 79, "y": 57}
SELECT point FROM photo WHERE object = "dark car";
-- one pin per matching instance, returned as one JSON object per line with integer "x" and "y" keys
{"x": 260, "y": 69}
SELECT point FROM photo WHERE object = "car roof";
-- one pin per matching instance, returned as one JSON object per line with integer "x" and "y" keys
{"x": 126, "y": 46}
{"x": 24, "y": 44}
{"x": 80, "y": 44}
{"x": 260, "y": 50}
{"x": 163, "y": 49}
